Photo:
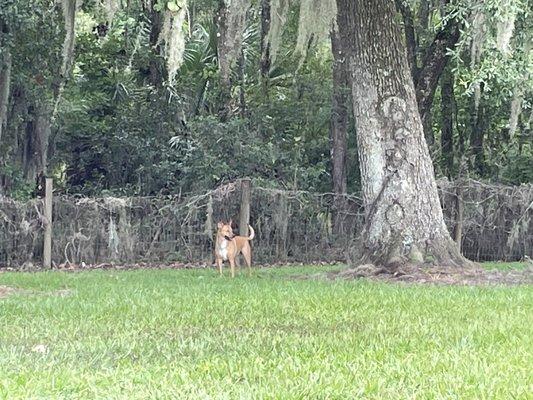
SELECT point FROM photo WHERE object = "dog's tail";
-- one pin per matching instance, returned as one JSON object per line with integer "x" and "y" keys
{"x": 252, "y": 233}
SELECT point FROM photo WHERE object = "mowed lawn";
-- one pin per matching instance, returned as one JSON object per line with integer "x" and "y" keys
{"x": 168, "y": 334}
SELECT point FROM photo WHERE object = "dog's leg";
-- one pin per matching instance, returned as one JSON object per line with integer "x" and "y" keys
{"x": 232, "y": 265}
{"x": 219, "y": 263}
{"x": 247, "y": 254}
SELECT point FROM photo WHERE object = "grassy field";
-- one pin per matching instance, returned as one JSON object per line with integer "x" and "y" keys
{"x": 166, "y": 334}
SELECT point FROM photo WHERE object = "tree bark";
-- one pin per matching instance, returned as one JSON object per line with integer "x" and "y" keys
{"x": 477, "y": 133}
{"x": 5, "y": 75}
{"x": 224, "y": 95}
{"x": 265, "y": 45}
{"x": 5, "y": 84}
{"x": 447, "y": 115}
{"x": 433, "y": 65}
{"x": 410, "y": 37}
{"x": 404, "y": 220}
{"x": 156, "y": 22}
{"x": 35, "y": 155}
{"x": 338, "y": 128}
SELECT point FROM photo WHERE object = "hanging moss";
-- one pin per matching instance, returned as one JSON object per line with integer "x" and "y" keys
{"x": 479, "y": 34}
{"x": 173, "y": 35}
{"x": 315, "y": 23}
{"x": 278, "y": 17}
{"x": 110, "y": 7}
{"x": 69, "y": 13}
{"x": 69, "y": 7}
{"x": 505, "y": 26}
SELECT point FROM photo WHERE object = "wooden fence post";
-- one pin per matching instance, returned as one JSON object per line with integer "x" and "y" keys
{"x": 244, "y": 217}
{"x": 47, "y": 249}
{"x": 459, "y": 211}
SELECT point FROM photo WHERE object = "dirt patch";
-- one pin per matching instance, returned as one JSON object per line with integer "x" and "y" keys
{"x": 473, "y": 276}
{"x": 6, "y": 291}
{"x": 71, "y": 267}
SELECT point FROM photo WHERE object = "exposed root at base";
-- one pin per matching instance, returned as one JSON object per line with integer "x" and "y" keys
{"x": 441, "y": 275}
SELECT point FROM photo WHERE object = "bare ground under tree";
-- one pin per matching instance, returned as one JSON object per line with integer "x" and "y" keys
{"x": 473, "y": 275}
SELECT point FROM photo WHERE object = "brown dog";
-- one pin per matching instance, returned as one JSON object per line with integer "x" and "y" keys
{"x": 228, "y": 247}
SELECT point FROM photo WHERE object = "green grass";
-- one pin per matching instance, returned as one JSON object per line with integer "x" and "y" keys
{"x": 166, "y": 334}
{"x": 506, "y": 266}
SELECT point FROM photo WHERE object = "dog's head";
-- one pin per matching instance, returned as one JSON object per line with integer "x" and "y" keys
{"x": 224, "y": 230}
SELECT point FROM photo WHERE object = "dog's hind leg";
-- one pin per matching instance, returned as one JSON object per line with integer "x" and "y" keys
{"x": 247, "y": 254}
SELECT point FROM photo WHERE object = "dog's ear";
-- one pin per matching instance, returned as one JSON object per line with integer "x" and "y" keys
{"x": 220, "y": 224}
{"x": 230, "y": 222}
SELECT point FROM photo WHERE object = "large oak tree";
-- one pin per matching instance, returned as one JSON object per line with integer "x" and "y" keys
{"x": 404, "y": 219}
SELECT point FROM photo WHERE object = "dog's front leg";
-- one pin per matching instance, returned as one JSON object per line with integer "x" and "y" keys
{"x": 232, "y": 265}
{"x": 219, "y": 263}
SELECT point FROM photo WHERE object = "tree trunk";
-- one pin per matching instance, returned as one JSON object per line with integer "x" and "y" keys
{"x": 5, "y": 83}
{"x": 433, "y": 65}
{"x": 410, "y": 37}
{"x": 477, "y": 132}
{"x": 265, "y": 46}
{"x": 447, "y": 110}
{"x": 404, "y": 220}
{"x": 242, "y": 85}
{"x": 35, "y": 156}
{"x": 339, "y": 122}
{"x": 156, "y": 23}
{"x": 224, "y": 95}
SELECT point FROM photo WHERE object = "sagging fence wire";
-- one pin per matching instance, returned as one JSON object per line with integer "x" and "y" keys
{"x": 291, "y": 226}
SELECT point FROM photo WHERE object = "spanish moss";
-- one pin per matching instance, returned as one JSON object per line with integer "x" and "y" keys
{"x": 316, "y": 19}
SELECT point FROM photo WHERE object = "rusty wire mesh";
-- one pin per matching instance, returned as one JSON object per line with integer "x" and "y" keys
{"x": 290, "y": 226}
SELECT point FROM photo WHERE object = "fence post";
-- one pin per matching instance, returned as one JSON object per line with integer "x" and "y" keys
{"x": 459, "y": 211}
{"x": 47, "y": 249}
{"x": 244, "y": 217}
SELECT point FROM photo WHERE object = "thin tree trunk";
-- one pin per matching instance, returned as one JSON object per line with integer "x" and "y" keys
{"x": 265, "y": 46}
{"x": 423, "y": 13}
{"x": 156, "y": 23}
{"x": 433, "y": 65}
{"x": 404, "y": 220}
{"x": 224, "y": 95}
{"x": 5, "y": 83}
{"x": 459, "y": 212}
{"x": 410, "y": 36}
{"x": 477, "y": 132}
{"x": 339, "y": 122}
{"x": 35, "y": 155}
{"x": 242, "y": 91}
{"x": 447, "y": 110}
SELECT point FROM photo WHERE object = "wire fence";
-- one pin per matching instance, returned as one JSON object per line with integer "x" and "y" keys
{"x": 494, "y": 221}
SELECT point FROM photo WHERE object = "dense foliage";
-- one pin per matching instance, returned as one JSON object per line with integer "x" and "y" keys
{"x": 109, "y": 118}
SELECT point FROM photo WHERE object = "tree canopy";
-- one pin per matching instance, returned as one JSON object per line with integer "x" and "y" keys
{"x": 162, "y": 96}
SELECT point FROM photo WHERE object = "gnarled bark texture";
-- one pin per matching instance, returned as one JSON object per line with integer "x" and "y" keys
{"x": 404, "y": 220}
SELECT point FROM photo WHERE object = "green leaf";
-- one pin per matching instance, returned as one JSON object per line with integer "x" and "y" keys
{"x": 172, "y": 6}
